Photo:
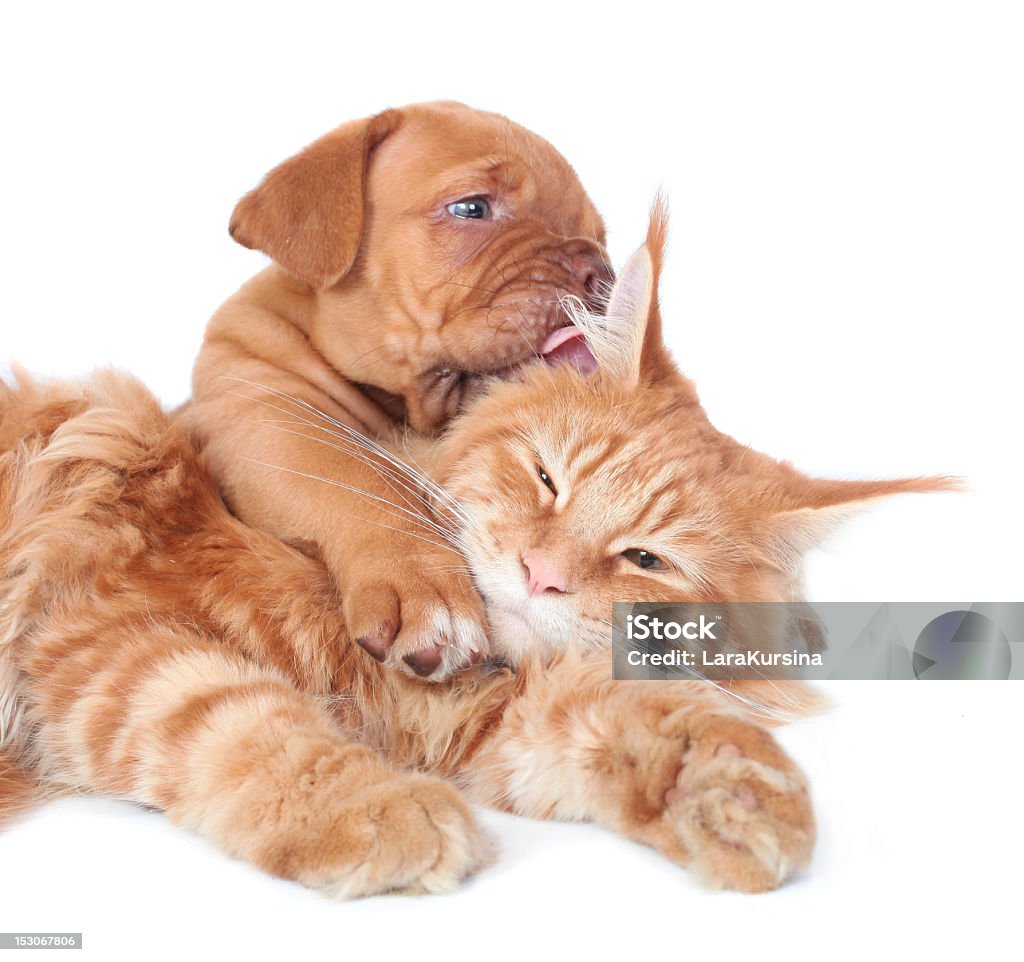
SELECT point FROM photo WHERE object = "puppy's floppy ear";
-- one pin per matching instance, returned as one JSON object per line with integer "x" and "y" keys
{"x": 307, "y": 213}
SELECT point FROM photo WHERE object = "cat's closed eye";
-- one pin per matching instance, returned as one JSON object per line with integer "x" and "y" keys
{"x": 546, "y": 478}
{"x": 644, "y": 559}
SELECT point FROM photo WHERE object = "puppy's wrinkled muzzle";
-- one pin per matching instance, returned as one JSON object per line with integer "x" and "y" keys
{"x": 587, "y": 265}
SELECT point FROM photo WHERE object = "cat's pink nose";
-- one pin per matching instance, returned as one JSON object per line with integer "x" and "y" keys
{"x": 541, "y": 574}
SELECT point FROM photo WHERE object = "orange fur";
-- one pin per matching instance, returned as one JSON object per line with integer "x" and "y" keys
{"x": 158, "y": 650}
{"x": 18, "y": 789}
{"x": 635, "y": 465}
{"x": 155, "y": 648}
{"x": 381, "y": 305}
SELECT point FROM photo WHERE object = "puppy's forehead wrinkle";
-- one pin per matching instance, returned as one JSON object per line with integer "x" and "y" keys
{"x": 508, "y": 175}
{"x": 490, "y": 175}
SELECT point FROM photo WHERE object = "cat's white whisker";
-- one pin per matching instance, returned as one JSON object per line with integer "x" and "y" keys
{"x": 369, "y": 445}
{"x": 418, "y": 517}
{"x": 390, "y": 478}
{"x": 755, "y": 707}
{"x": 413, "y": 508}
{"x": 354, "y": 490}
{"x": 466, "y": 523}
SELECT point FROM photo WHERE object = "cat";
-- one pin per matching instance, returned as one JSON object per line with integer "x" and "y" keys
{"x": 153, "y": 648}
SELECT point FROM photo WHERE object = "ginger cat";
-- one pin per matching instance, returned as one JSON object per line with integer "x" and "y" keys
{"x": 154, "y": 648}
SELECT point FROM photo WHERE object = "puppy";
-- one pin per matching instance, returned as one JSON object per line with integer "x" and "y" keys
{"x": 414, "y": 251}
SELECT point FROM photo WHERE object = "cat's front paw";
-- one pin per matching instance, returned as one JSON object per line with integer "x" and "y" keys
{"x": 740, "y": 806}
{"x": 413, "y": 834}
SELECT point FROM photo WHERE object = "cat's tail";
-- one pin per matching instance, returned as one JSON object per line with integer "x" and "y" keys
{"x": 774, "y": 703}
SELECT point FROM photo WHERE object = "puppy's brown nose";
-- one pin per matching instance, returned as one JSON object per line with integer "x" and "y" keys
{"x": 589, "y": 268}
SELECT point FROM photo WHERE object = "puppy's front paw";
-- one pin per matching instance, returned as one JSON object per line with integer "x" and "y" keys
{"x": 739, "y": 806}
{"x": 418, "y": 614}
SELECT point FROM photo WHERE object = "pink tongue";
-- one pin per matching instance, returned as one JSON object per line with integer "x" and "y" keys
{"x": 568, "y": 346}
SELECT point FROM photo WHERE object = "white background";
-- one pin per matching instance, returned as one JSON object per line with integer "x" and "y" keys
{"x": 844, "y": 283}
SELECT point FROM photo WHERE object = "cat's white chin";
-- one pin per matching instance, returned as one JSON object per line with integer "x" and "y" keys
{"x": 519, "y": 631}
{"x": 521, "y": 624}
{"x": 511, "y": 633}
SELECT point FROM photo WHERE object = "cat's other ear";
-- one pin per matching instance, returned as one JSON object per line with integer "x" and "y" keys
{"x": 307, "y": 213}
{"x": 807, "y": 510}
{"x": 635, "y": 351}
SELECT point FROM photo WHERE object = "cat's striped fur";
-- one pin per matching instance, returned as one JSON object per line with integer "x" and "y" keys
{"x": 153, "y": 648}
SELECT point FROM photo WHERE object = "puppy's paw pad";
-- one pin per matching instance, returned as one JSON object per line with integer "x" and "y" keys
{"x": 438, "y": 643}
{"x": 376, "y": 646}
{"x": 417, "y": 628}
{"x": 425, "y": 662}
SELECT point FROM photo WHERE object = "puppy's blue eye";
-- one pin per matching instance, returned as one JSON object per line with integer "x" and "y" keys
{"x": 472, "y": 208}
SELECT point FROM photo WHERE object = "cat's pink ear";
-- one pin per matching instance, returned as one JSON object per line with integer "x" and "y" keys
{"x": 810, "y": 509}
{"x": 625, "y": 322}
{"x": 628, "y": 345}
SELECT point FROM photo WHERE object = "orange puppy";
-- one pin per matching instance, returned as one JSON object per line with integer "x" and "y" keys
{"x": 413, "y": 251}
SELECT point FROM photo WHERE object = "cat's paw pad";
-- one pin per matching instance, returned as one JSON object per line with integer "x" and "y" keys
{"x": 740, "y": 807}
